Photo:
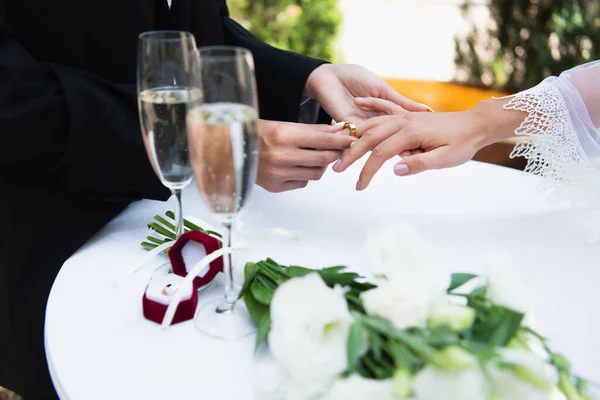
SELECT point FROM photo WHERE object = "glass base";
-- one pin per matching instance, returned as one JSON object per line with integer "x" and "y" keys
{"x": 229, "y": 325}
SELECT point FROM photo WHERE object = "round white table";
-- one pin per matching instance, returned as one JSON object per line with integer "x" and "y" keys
{"x": 99, "y": 345}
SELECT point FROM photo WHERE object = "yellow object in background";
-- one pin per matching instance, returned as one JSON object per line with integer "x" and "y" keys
{"x": 442, "y": 96}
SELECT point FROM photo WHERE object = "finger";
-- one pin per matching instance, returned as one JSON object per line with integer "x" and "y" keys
{"x": 441, "y": 157}
{"x": 385, "y": 150}
{"x": 371, "y": 138}
{"x": 287, "y": 186}
{"x": 300, "y": 174}
{"x": 380, "y": 105}
{"x": 407, "y": 104}
{"x": 312, "y": 158}
{"x": 315, "y": 139}
{"x": 409, "y": 153}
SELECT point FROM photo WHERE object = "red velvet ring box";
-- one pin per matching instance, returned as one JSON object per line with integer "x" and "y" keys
{"x": 159, "y": 293}
{"x": 189, "y": 249}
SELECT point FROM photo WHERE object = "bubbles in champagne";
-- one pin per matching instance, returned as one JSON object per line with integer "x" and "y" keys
{"x": 223, "y": 143}
{"x": 163, "y": 119}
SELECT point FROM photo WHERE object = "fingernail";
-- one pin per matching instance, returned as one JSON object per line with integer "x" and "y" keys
{"x": 358, "y": 187}
{"x": 429, "y": 109}
{"x": 401, "y": 169}
{"x": 337, "y": 165}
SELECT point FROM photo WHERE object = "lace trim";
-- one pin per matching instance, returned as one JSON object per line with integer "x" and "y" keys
{"x": 550, "y": 144}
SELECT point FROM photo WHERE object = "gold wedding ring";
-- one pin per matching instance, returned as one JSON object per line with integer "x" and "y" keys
{"x": 352, "y": 127}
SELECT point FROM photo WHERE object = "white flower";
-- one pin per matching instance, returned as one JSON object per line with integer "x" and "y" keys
{"x": 275, "y": 383}
{"x": 433, "y": 383}
{"x": 405, "y": 302}
{"x": 520, "y": 374}
{"x": 396, "y": 250}
{"x": 505, "y": 283}
{"x": 396, "y": 246}
{"x": 310, "y": 323}
{"x": 358, "y": 388}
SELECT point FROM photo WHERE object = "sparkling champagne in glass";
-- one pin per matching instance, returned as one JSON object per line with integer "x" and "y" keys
{"x": 223, "y": 140}
{"x": 169, "y": 86}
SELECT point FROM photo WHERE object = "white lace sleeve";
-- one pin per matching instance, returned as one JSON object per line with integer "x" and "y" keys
{"x": 560, "y": 137}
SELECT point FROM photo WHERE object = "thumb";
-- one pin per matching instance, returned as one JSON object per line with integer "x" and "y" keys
{"x": 379, "y": 105}
{"x": 406, "y": 103}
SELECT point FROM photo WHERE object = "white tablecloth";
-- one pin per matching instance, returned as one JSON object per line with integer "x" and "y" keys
{"x": 99, "y": 345}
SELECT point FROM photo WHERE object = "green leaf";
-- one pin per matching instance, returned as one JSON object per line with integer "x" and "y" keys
{"x": 191, "y": 226}
{"x": 362, "y": 286}
{"x": 334, "y": 270}
{"x": 149, "y": 246}
{"x": 506, "y": 329}
{"x": 162, "y": 230}
{"x": 262, "y": 290}
{"x": 479, "y": 292}
{"x": 165, "y": 223}
{"x": 480, "y": 350}
{"x": 356, "y": 345}
{"x": 401, "y": 355}
{"x": 379, "y": 371}
{"x": 263, "y": 330}
{"x": 156, "y": 240}
{"x": 460, "y": 279}
{"x": 276, "y": 273}
{"x": 415, "y": 343}
{"x": 496, "y": 326}
{"x": 354, "y": 302}
{"x": 298, "y": 272}
{"x": 250, "y": 271}
{"x": 255, "y": 309}
{"x": 332, "y": 277}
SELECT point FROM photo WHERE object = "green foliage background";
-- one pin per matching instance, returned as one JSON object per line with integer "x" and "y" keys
{"x": 308, "y": 27}
{"x": 528, "y": 41}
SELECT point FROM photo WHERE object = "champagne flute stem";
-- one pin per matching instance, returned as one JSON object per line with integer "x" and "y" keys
{"x": 230, "y": 292}
{"x": 179, "y": 230}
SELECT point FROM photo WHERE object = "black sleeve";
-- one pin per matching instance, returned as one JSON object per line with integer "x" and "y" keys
{"x": 64, "y": 123}
{"x": 280, "y": 75}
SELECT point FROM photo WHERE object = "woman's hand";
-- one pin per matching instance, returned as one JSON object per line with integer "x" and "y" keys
{"x": 424, "y": 140}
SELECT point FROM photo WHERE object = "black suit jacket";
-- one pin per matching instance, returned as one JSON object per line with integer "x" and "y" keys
{"x": 71, "y": 154}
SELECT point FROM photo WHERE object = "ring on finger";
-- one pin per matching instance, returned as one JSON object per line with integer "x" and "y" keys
{"x": 352, "y": 127}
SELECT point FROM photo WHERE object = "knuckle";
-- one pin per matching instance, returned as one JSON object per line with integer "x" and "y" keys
{"x": 275, "y": 158}
{"x": 318, "y": 174}
{"x": 277, "y": 176}
{"x": 278, "y": 135}
{"x": 409, "y": 117}
{"x": 369, "y": 135}
{"x": 379, "y": 150}
{"x": 419, "y": 163}
{"x": 326, "y": 158}
{"x": 326, "y": 141}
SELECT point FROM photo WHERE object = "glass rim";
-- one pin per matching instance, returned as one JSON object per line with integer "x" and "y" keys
{"x": 169, "y": 35}
{"x": 233, "y": 52}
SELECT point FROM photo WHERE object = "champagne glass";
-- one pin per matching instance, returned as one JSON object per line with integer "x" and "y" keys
{"x": 223, "y": 140}
{"x": 169, "y": 84}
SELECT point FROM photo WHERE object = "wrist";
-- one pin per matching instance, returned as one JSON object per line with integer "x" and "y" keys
{"x": 494, "y": 122}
